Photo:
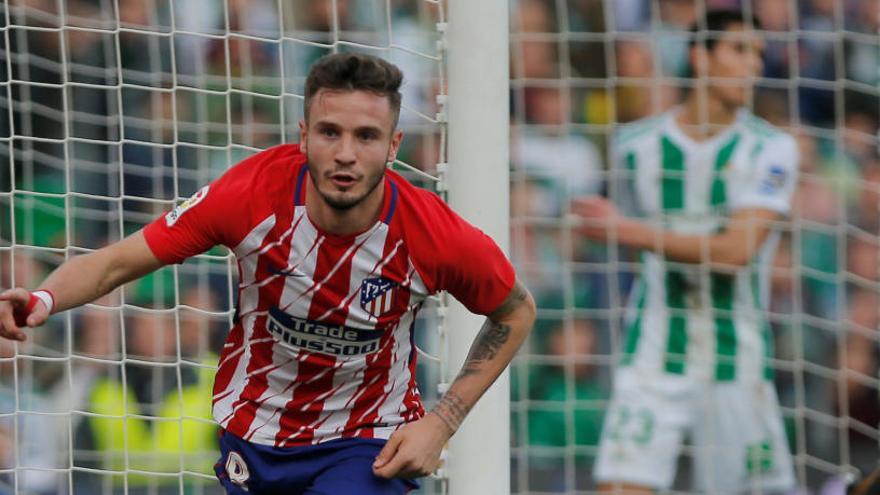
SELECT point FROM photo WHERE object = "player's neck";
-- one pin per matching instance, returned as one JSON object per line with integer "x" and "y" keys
{"x": 703, "y": 116}
{"x": 338, "y": 222}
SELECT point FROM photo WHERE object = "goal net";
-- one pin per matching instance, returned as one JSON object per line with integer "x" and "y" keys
{"x": 113, "y": 112}
{"x": 582, "y": 69}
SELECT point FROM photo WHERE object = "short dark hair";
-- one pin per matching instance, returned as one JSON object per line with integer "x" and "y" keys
{"x": 355, "y": 71}
{"x": 717, "y": 21}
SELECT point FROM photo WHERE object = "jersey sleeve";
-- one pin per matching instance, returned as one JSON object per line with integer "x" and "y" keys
{"x": 213, "y": 215}
{"x": 465, "y": 262}
{"x": 773, "y": 179}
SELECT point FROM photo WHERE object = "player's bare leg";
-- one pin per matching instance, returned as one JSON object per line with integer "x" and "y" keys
{"x": 624, "y": 489}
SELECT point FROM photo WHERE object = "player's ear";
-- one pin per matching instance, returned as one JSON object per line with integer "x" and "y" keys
{"x": 396, "y": 138}
{"x": 303, "y": 135}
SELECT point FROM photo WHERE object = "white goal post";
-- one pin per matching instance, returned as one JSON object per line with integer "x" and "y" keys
{"x": 479, "y": 454}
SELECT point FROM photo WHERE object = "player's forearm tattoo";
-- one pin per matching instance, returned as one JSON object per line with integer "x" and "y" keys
{"x": 489, "y": 341}
{"x": 452, "y": 410}
{"x": 491, "y": 338}
{"x": 493, "y": 335}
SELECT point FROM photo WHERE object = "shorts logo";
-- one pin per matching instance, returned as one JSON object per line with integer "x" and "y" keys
{"x": 174, "y": 215}
{"x": 377, "y": 295}
{"x": 237, "y": 469}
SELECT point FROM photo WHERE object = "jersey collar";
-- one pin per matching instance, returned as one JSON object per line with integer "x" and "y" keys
{"x": 679, "y": 135}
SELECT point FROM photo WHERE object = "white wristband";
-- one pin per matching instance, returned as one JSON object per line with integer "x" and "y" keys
{"x": 46, "y": 297}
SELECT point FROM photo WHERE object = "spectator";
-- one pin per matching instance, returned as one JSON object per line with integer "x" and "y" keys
{"x": 671, "y": 36}
{"x": 775, "y": 21}
{"x": 576, "y": 163}
{"x": 862, "y": 57}
{"x": 31, "y": 441}
{"x": 533, "y": 58}
{"x": 568, "y": 404}
{"x": 866, "y": 214}
{"x": 817, "y": 60}
{"x": 546, "y": 185}
{"x": 641, "y": 91}
{"x": 179, "y": 436}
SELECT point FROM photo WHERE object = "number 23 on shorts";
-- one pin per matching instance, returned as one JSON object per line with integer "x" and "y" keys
{"x": 631, "y": 424}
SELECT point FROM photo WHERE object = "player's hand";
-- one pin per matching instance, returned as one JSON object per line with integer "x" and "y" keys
{"x": 597, "y": 215}
{"x": 413, "y": 450}
{"x": 19, "y": 308}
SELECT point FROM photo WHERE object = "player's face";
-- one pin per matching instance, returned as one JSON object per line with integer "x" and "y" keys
{"x": 733, "y": 64}
{"x": 348, "y": 139}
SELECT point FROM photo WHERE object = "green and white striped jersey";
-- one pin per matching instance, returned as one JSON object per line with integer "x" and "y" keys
{"x": 683, "y": 318}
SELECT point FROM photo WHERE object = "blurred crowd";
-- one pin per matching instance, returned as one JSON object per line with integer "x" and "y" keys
{"x": 107, "y": 129}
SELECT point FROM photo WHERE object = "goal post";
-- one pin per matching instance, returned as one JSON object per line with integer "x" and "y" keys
{"x": 477, "y": 44}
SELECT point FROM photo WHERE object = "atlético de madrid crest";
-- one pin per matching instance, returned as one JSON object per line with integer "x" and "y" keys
{"x": 377, "y": 295}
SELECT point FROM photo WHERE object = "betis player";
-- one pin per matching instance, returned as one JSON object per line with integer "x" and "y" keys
{"x": 708, "y": 181}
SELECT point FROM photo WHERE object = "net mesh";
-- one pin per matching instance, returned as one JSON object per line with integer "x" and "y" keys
{"x": 580, "y": 69}
{"x": 113, "y": 111}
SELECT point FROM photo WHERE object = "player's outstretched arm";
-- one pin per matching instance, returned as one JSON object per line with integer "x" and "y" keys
{"x": 734, "y": 246}
{"x": 80, "y": 280}
{"x": 414, "y": 450}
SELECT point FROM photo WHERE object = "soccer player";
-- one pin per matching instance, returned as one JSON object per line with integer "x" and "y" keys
{"x": 707, "y": 181}
{"x": 315, "y": 391}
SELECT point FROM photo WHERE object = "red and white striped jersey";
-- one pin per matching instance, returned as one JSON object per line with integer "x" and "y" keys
{"x": 322, "y": 346}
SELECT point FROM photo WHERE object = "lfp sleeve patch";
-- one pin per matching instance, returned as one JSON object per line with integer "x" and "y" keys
{"x": 174, "y": 215}
{"x": 774, "y": 180}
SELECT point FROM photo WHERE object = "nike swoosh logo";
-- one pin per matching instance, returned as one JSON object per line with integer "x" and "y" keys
{"x": 289, "y": 273}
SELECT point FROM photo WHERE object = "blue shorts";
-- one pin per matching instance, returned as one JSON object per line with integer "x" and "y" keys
{"x": 330, "y": 468}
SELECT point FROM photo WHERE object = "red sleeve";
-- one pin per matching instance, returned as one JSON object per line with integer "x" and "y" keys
{"x": 461, "y": 259}
{"x": 216, "y": 214}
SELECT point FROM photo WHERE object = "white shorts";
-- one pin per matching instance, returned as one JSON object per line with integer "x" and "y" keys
{"x": 736, "y": 430}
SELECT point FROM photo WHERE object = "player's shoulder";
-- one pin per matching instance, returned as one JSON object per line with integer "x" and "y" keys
{"x": 413, "y": 199}
{"x": 422, "y": 217}
{"x": 775, "y": 151}
{"x": 447, "y": 251}
{"x": 628, "y": 134}
{"x": 278, "y": 163}
{"x": 265, "y": 173}
{"x": 765, "y": 131}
